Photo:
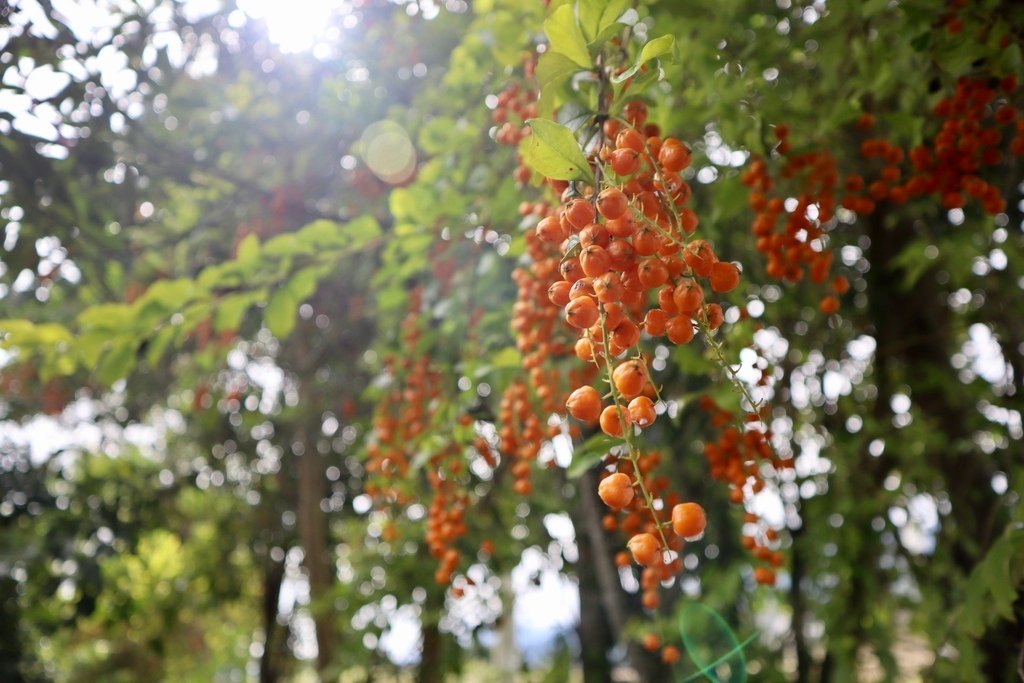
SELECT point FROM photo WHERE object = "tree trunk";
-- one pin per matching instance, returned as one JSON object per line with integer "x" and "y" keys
{"x": 313, "y": 537}
{"x": 617, "y": 605}
{"x": 431, "y": 669}
{"x": 594, "y": 633}
{"x": 272, "y": 577}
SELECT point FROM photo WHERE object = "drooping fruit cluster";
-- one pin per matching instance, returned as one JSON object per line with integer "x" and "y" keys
{"x": 978, "y": 125}
{"x": 737, "y": 458}
{"x": 975, "y": 121}
{"x": 630, "y": 266}
{"x": 514, "y": 106}
{"x": 405, "y": 414}
{"x": 630, "y": 515}
{"x": 800, "y": 247}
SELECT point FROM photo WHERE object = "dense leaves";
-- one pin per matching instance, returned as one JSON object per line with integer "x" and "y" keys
{"x": 284, "y": 386}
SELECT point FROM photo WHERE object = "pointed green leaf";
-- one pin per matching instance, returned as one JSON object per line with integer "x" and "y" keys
{"x": 598, "y": 15}
{"x": 553, "y": 69}
{"x": 116, "y": 363}
{"x": 566, "y": 37}
{"x": 248, "y": 251}
{"x": 279, "y": 315}
{"x": 553, "y": 152}
{"x": 231, "y": 309}
{"x": 654, "y": 49}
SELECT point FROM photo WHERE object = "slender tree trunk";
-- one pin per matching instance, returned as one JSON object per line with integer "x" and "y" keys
{"x": 594, "y": 633}
{"x": 431, "y": 669}
{"x": 615, "y": 602}
{"x": 272, "y": 577}
{"x": 313, "y": 537}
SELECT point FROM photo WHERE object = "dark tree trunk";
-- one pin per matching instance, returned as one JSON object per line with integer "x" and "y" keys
{"x": 272, "y": 577}
{"x": 313, "y": 537}
{"x": 431, "y": 669}
{"x": 594, "y": 632}
{"x": 617, "y": 605}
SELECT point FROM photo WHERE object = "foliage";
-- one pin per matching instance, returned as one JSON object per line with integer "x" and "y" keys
{"x": 283, "y": 320}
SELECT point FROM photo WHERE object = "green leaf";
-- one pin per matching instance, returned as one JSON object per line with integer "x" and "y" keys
{"x": 106, "y": 317}
{"x": 279, "y": 315}
{"x": 116, "y": 363}
{"x": 248, "y": 251}
{"x": 552, "y": 71}
{"x": 159, "y": 343}
{"x": 598, "y": 15}
{"x": 589, "y": 454}
{"x": 231, "y": 309}
{"x": 659, "y": 47}
{"x": 508, "y": 357}
{"x": 566, "y": 37}
{"x": 553, "y": 152}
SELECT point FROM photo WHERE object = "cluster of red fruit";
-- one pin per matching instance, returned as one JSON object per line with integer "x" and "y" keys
{"x": 736, "y": 458}
{"x": 618, "y": 490}
{"x": 625, "y": 245}
{"x": 405, "y": 414}
{"x": 799, "y": 248}
{"x": 975, "y": 124}
{"x": 975, "y": 121}
{"x": 516, "y": 104}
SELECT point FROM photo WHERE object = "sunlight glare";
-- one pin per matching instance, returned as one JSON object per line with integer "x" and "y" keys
{"x": 293, "y": 26}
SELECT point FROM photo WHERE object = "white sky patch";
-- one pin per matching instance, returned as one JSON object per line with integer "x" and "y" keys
{"x": 295, "y": 26}
{"x": 986, "y": 355}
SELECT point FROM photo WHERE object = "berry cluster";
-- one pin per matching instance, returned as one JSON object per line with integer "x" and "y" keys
{"x": 629, "y": 267}
{"x": 969, "y": 140}
{"x": 799, "y": 248}
{"x": 403, "y": 417}
{"x": 736, "y": 458}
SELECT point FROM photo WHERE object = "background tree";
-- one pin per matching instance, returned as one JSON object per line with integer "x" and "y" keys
{"x": 280, "y": 317}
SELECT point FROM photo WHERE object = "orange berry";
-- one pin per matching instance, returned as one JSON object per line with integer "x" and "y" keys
{"x": 654, "y": 322}
{"x": 764, "y": 576}
{"x": 584, "y": 404}
{"x": 652, "y": 272}
{"x": 558, "y": 293}
{"x": 595, "y": 260}
{"x": 688, "y": 520}
{"x": 580, "y": 213}
{"x": 641, "y": 411}
{"x": 645, "y": 549}
{"x": 612, "y": 203}
{"x": 724, "y": 276}
{"x": 616, "y": 491}
{"x": 673, "y": 156}
{"x": 700, "y": 257}
{"x": 630, "y": 378}
{"x": 688, "y": 295}
{"x": 629, "y": 139}
{"x": 624, "y": 162}
{"x": 670, "y": 654}
{"x": 679, "y": 329}
{"x": 582, "y": 312}
{"x": 714, "y": 315}
{"x": 550, "y": 230}
{"x": 612, "y": 418}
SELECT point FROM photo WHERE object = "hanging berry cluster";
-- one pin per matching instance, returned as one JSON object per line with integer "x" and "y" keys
{"x": 978, "y": 125}
{"x": 630, "y": 266}
{"x": 408, "y": 412}
{"x": 736, "y": 458}
{"x": 799, "y": 248}
{"x": 616, "y": 489}
{"x": 975, "y": 122}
